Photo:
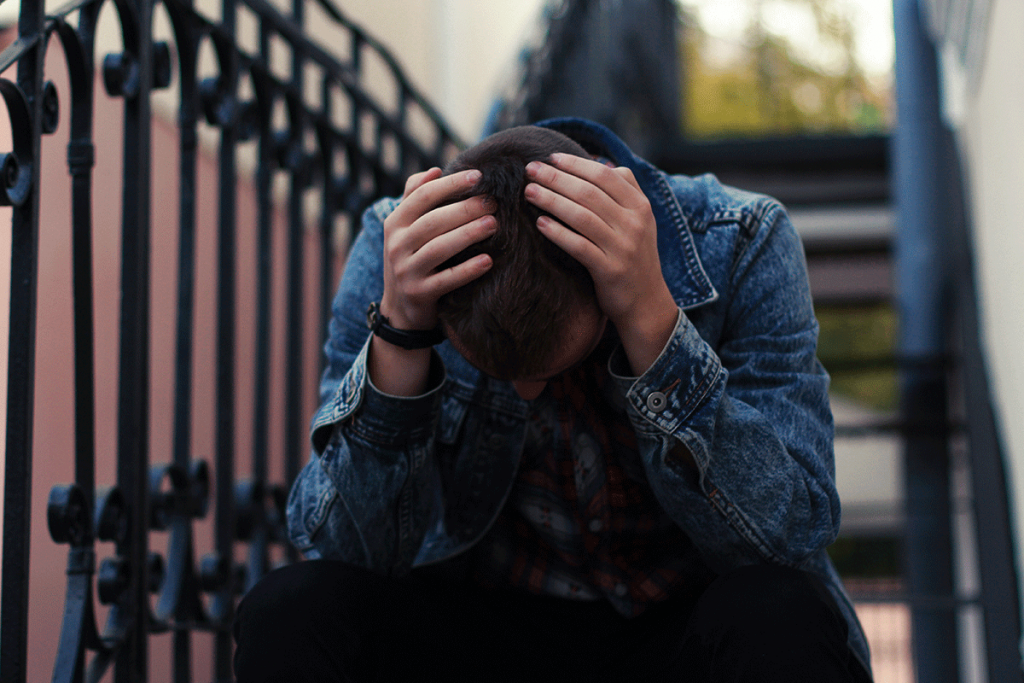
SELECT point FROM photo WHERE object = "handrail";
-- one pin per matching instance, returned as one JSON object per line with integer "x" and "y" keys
{"x": 108, "y": 527}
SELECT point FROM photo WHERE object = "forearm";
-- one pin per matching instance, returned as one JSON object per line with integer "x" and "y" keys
{"x": 346, "y": 502}
{"x": 772, "y": 497}
{"x": 644, "y": 339}
{"x": 397, "y": 371}
{"x": 745, "y": 473}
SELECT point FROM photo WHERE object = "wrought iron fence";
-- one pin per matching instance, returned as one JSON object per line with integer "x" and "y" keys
{"x": 317, "y": 129}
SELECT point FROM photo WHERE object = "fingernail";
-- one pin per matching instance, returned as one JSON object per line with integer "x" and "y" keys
{"x": 556, "y": 157}
{"x": 533, "y": 168}
{"x": 530, "y": 191}
{"x": 473, "y": 176}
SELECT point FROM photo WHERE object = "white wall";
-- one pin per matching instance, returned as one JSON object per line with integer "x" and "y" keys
{"x": 458, "y": 52}
{"x": 992, "y": 135}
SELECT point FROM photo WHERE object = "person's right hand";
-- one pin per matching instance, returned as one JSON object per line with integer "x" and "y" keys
{"x": 420, "y": 235}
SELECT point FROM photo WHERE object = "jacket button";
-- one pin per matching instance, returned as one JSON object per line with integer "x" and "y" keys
{"x": 656, "y": 401}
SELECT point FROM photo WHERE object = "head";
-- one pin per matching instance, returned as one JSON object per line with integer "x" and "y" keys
{"x": 534, "y": 313}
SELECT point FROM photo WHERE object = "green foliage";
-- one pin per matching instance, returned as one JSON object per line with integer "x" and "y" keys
{"x": 765, "y": 85}
{"x": 861, "y": 334}
{"x": 767, "y": 88}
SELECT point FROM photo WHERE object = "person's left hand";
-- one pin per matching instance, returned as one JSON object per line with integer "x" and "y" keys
{"x": 614, "y": 235}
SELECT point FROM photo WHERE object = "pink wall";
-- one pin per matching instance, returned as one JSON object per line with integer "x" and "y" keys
{"x": 54, "y": 391}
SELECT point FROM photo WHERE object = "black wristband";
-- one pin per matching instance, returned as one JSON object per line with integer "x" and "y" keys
{"x": 407, "y": 339}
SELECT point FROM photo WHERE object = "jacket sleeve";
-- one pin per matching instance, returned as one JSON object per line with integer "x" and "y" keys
{"x": 753, "y": 411}
{"x": 356, "y": 498}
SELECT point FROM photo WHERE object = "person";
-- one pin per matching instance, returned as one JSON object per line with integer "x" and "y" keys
{"x": 580, "y": 434}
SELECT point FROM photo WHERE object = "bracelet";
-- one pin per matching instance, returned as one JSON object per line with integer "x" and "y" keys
{"x": 406, "y": 339}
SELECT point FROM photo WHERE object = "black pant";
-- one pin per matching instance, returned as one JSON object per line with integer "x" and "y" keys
{"x": 327, "y": 621}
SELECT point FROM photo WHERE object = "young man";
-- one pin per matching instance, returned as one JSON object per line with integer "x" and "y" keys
{"x": 618, "y": 466}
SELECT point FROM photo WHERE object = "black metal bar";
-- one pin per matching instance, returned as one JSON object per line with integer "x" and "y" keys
{"x": 849, "y": 301}
{"x": 183, "y": 609}
{"x": 224, "y": 513}
{"x": 902, "y": 427}
{"x": 847, "y": 247}
{"x": 24, "y": 104}
{"x": 80, "y": 162}
{"x": 886, "y": 362}
{"x": 79, "y": 627}
{"x": 264, "y": 273}
{"x": 808, "y": 154}
{"x": 133, "y": 374}
{"x": 936, "y": 603}
{"x": 294, "y": 430}
{"x": 184, "y": 340}
{"x": 329, "y": 207}
{"x": 251, "y": 502}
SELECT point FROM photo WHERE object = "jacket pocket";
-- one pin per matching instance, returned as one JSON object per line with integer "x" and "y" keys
{"x": 309, "y": 504}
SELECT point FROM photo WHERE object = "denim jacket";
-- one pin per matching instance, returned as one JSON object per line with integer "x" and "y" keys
{"x": 394, "y": 482}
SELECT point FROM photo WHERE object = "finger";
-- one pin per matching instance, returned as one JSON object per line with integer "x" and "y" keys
{"x": 445, "y": 246}
{"x": 445, "y": 219}
{"x": 628, "y": 175}
{"x": 572, "y": 243}
{"x": 617, "y": 182}
{"x": 592, "y": 225}
{"x": 450, "y": 279}
{"x": 580, "y": 190}
{"x": 431, "y": 193}
{"x": 417, "y": 179}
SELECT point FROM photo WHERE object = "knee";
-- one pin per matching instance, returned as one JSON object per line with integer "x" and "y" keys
{"x": 769, "y": 603}
{"x": 768, "y": 623}
{"x": 298, "y": 622}
{"x": 305, "y": 593}
{"x": 271, "y": 626}
{"x": 281, "y": 594}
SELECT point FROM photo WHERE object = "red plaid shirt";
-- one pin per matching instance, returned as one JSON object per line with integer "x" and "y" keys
{"x": 581, "y": 521}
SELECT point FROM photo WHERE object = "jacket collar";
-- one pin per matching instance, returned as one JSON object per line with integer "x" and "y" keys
{"x": 680, "y": 262}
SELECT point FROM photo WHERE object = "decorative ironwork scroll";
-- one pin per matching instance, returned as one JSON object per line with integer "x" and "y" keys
{"x": 368, "y": 154}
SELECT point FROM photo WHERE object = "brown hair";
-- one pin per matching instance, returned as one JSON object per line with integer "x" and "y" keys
{"x": 514, "y": 317}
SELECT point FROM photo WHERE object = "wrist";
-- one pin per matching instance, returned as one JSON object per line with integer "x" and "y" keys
{"x": 406, "y": 338}
{"x": 395, "y": 371}
{"x": 645, "y": 335}
{"x": 405, "y": 317}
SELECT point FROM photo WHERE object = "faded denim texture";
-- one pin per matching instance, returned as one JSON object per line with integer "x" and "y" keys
{"x": 399, "y": 482}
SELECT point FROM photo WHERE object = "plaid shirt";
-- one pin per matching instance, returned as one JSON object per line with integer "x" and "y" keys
{"x": 581, "y": 521}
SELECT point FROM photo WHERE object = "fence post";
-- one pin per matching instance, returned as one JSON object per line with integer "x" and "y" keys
{"x": 923, "y": 296}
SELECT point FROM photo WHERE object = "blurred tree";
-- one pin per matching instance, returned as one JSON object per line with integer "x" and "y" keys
{"x": 770, "y": 87}
{"x": 860, "y": 334}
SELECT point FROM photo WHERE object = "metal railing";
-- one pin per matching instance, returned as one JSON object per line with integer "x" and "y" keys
{"x": 334, "y": 140}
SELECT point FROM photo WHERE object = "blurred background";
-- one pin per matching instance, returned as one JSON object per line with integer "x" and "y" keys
{"x": 892, "y": 131}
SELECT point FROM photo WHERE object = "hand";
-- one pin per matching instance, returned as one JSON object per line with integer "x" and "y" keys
{"x": 614, "y": 235}
{"x": 420, "y": 235}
